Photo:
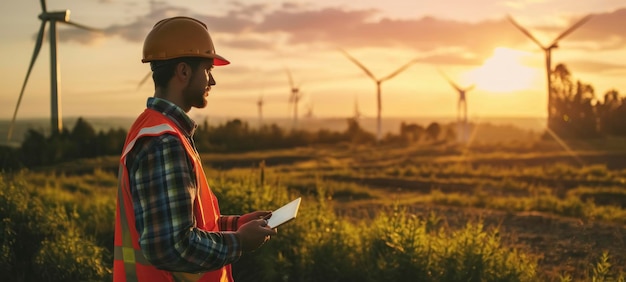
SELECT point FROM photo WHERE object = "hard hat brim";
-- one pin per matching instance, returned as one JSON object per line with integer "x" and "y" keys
{"x": 219, "y": 60}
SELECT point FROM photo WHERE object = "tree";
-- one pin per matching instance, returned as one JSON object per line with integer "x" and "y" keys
{"x": 83, "y": 136}
{"x": 34, "y": 148}
{"x": 411, "y": 132}
{"x": 611, "y": 114}
{"x": 574, "y": 115}
{"x": 433, "y": 130}
{"x": 356, "y": 134}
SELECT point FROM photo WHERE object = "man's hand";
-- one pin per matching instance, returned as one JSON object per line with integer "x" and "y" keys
{"x": 252, "y": 216}
{"x": 254, "y": 234}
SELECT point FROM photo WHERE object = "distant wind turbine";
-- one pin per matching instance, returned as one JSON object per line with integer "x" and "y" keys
{"x": 357, "y": 112}
{"x": 309, "y": 111}
{"x": 144, "y": 79}
{"x": 259, "y": 104}
{"x": 52, "y": 18}
{"x": 461, "y": 108}
{"x": 378, "y": 82}
{"x": 548, "y": 53}
{"x": 294, "y": 97}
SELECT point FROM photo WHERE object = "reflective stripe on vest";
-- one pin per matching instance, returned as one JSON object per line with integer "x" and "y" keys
{"x": 126, "y": 251}
{"x": 149, "y": 131}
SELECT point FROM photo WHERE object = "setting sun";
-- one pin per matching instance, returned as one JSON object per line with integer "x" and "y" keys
{"x": 503, "y": 72}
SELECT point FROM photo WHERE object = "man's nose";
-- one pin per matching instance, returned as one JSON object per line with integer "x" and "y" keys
{"x": 211, "y": 80}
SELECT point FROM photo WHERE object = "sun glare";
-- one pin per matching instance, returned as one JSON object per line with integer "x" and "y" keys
{"x": 503, "y": 72}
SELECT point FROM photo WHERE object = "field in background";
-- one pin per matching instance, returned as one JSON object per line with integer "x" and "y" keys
{"x": 565, "y": 203}
{"x": 562, "y": 202}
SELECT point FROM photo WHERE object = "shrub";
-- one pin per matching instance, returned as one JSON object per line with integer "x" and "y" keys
{"x": 41, "y": 243}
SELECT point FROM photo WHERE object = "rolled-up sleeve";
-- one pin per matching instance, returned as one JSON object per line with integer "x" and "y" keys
{"x": 228, "y": 222}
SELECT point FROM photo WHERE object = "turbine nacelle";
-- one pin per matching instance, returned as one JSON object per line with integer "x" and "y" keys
{"x": 62, "y": 16}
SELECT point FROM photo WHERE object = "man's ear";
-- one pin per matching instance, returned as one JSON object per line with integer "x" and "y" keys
{"x": 182, "y": 72}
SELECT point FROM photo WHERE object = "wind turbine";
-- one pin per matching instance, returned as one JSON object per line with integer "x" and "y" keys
{"x": 52, "y": 18}
{"x": 357, "y": 113}
{"x": 259, "y": 104}
{"x": 309, "y": 111}
{"x": 144, "y": 79}
{"x": 461, "y": 106}
{"x": 378, "y": 82}
{"x": 548, "y": 53}
{"x": 294, "y": 97}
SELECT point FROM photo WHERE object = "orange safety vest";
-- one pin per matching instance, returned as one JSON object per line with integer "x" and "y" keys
{"x": 129, "y": 264}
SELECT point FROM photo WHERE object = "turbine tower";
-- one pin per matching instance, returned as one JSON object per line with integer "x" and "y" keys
{"x": 53, "y": 18}
{"x": 548, "y": 53}
{"x": 378, "y": 82}
{"x": 357, "y": 113}
{"x": 461, "y": 108}
{"x": 309, "y": 111}
{"x": 294, "y": 97}
{"x": 259, "y": 104}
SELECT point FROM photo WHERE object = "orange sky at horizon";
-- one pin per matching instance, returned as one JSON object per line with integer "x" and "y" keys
{"x": 472, "y": 44}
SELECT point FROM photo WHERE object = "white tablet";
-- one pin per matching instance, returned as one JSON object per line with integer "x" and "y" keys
{"x": 284, "y": 214}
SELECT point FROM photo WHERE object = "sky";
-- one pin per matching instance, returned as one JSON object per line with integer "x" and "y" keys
{"x": 470, "y": 41}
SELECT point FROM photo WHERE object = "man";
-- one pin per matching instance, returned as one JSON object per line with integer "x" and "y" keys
{"x": 168, "y": 224}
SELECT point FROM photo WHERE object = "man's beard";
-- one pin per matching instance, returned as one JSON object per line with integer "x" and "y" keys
{"x": 194, "y": 97}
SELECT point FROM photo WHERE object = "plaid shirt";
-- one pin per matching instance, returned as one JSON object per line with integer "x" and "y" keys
{"x": 161, "y": 180}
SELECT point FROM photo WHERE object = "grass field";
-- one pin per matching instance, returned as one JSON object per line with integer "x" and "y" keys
{"x": 564, "y": 204}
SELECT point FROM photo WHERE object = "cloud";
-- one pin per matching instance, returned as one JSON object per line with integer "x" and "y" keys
{"x": 248, "y": 43}
{"x": 356, "y": 28}
{"x": 136, "y": 30}
{"x": 520, "y": 4}
{"x": 606, "y": 29}
{"x": 245, "y": 26}
{"x": 595, "y": 66}
{"x": 451, "y": 58}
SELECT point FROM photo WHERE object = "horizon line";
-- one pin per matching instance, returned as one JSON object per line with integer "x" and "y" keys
{"x": 290, "y": 118}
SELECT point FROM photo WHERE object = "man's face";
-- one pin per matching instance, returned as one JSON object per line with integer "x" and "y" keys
{"x": 197, "y": 90}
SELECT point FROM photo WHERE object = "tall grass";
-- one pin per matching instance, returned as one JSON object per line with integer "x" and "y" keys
{"x": 394, "y": 246}
{"x": 60, "y": 228}
{"x": 43, "y": 240}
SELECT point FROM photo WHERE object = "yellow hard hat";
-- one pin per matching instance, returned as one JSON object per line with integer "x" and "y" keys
{"x": 178, "y": 37}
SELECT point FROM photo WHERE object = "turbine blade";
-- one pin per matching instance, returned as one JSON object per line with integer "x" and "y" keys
{"x": 144, "y": 79}
{"x": 398, "y": 71}
{"x": 30, "y": 68}
{"x": 82, "y": 26}
{"x": 572, "y": 28}
{"x": 470, "y": 88}
{"x": 289, "y": 107}
{"x": 358, "y": 64}
{"x": 290, "y": 78}
{"x": 43, "y": 5}
{"x": 450, "y": 81}
{"x": 525, "y": 32}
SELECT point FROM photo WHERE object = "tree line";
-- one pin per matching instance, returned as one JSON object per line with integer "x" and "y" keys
{"x": 83, "y": 141}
